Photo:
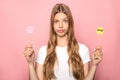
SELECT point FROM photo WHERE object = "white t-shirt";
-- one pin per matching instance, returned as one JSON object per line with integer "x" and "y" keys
{"x": 61, "y": 68}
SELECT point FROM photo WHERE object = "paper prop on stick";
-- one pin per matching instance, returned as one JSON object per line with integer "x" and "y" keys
{"x": 30, "y": 31}
{"x": 99, "y": 31}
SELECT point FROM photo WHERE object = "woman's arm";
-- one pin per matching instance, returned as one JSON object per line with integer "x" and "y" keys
{"x": 39, "y": 71}
{"x": 32, "y": 73}
{"x": 30, "y": 56}
{"x": 86, "y": 69}
{"x": 96, "y": 59}
{"x": 91, "y": 74}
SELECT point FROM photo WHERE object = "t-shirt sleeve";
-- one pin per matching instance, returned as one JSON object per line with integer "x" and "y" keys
{"x": 40, "y": 57}
{"x": 84, "y": 53}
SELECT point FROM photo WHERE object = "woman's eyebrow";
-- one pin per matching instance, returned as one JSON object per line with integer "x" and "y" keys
{"x": 55, "y": 19}
{"x": 65, "y": 18}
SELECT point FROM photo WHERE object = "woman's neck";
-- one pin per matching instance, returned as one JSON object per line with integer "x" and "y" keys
{"x": 62, "y": 41}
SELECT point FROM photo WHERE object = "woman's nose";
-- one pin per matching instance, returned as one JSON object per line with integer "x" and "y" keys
{"x": 61, "y": 25}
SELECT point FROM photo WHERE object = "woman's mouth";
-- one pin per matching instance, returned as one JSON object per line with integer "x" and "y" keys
{"x": 60, "y": 31}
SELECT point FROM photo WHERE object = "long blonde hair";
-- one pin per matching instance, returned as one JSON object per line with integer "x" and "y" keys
{"x": 74, "y": 61}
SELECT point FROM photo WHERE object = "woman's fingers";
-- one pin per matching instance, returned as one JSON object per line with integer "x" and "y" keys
{"x": 29, "y": 46}
{"x": 97, "y": 56}
{"x": 28, "y": 50}
{"x": 98, "y": 51}
{"x": 29, "y": 53}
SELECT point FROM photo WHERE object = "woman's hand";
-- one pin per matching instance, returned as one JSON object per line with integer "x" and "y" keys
{"x": 97, "y": 56}
{"x": 29, "y": 53}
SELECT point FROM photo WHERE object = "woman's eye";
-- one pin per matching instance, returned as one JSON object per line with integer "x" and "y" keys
{"x": 65, "y": 20}
{"x": 55, "y": 21}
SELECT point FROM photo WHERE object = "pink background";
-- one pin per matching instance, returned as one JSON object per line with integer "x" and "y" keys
{"x": 17, "y": 15}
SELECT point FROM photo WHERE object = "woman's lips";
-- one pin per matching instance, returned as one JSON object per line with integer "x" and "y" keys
{"x": 60, "y": 31}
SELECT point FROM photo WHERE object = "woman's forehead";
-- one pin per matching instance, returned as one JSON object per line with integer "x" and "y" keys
{"x": 60, "y": 16}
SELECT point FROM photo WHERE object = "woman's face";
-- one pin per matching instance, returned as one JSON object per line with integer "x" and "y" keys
{"x": 61, "y": 24}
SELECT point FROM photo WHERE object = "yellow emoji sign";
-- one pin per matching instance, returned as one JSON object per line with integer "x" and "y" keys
{"x": 100, "y": 30}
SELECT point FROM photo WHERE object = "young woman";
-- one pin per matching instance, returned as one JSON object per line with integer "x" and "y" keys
{"x": 63, "y": 58}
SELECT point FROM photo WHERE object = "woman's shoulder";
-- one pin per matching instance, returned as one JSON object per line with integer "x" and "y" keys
{"x": 82, "y": 45}
{"x": 43, "y": 48}
{"x": 41, "y": 54}
{"x": 84, "y": 52}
